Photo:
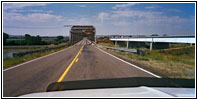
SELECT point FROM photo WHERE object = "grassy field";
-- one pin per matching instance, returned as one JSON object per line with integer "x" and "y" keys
{"x": 16, "y": 39}
{"x": 49, "y": 40}
{"x": 10, "y": 61}
{"x": 26, "y": 47}
{"x": 176, "y": 62}
{"x": 33, "y": 47}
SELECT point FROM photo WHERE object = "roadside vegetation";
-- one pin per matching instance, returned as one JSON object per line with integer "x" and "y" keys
{"x": 11, "y": 61}
{"x": 32, "y": 40}
{"x": 105, "y": 41}
{"x": 45, "y": 45}
{"x": 178, "y": 61}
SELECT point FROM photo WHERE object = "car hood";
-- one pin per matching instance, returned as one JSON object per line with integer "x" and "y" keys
{"x": 141, "y": 91}
{"x": 121, "y": 87}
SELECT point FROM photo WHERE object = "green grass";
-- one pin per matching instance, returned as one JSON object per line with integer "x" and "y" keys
{"x": 26, "y": 47}
{"x": 15, "y": 39}
{"x": 145, "y": 59}
{"x": 185, "y": 55}
{"x": 178, "y": 62}
{"x": 7, "y": 62}
{"x": 108, "y": 44}
{"x": 33, "y": 47}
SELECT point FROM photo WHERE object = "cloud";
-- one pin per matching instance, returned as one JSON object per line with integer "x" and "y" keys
{"x": 7, "y": 6}
{"x": 33, "y": 18}
{"x": 122, "y": 17}
{"x": 81, "y": 5}
{"x": 120, "y": 23}
{"x": 133, "y": 13}
{"x": 117, "y": 20}
{"x": 152, "y": 7}
{"x": 79, "y": 21}
{"x": 174, "y": 10}
{"x": 123, "y": 5}
{"x": 16, "y": 10}
{"x": 148, "y": 16}
{"x": 145, "y": 22}
{"x": 29, "y": 11}
{"x": 102, "y": 16}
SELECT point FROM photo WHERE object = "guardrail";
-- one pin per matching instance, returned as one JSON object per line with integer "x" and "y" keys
{"x": 121, "y": 49}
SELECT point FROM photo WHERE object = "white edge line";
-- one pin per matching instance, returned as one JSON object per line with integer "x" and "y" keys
{"x": 36, "y": 59}
{"x": 129, "y": 63}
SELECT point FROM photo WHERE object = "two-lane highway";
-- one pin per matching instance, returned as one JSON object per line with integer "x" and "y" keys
{"x": 82, "y": 61}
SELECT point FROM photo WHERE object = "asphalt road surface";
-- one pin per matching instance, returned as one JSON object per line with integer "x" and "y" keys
{"x": 82, "y": 61}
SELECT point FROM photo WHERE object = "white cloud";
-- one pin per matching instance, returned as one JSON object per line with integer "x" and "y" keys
{"x": 79, "y": 21}
{"x": 117, "y": 21}
{"x": 30, "y": 11}
{"x": 7, "y": 6}
{"x": 174, "y": 10}
{"x": 132, "y": 13}
{"x": 33, "y": 18}
{"x": 81, "y": 5}
{"x": 148, "y": 17}
{"x": 16, "y": 10}
{"x": 120, "y": 23}
{"x": 152, "y": 7}
{"x": 102, "y": 16}
{"x": 43, "y": 17}
{"x": 144, "y": 22}
{"x": 123, "y": 5}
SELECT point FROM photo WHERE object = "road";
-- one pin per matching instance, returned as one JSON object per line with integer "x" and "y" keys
{"x": 81, "y": 61}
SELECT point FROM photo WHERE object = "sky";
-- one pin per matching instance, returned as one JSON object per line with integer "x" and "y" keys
{"x": 48, "y": 19}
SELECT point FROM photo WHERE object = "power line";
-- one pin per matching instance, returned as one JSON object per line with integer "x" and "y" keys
{"x": 32, "y": 27}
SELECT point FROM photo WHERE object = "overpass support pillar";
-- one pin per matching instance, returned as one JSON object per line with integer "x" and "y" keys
{"x": 151, "y": 46}
{"x": 127, "y": 44}
{"x": 115, "y": 43}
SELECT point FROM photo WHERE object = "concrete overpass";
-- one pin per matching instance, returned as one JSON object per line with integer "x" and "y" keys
{"x": 156, "y": 42}
{"x": 77, "y": 33}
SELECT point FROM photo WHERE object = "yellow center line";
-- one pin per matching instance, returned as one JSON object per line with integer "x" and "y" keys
{"x": 65, "y": 73}
{"x": 77, "y": 60}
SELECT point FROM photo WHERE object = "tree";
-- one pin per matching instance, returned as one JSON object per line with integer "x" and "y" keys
{"x": 37, "y": 39}
{"x": 27, "y": 36}
{"x": 32, "y": 40}
{"x": 5, "y": 37}
{"x": 154, "y": 35}
{"x": 28, "y": 39}
{"x": 59, "y": 38}
{"x": 165, "y": 35}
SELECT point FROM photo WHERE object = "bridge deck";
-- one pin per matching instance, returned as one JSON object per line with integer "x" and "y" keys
{"x": 159, "y": 39}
